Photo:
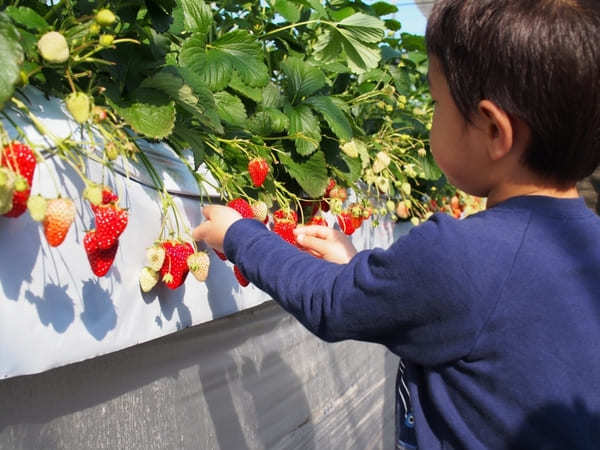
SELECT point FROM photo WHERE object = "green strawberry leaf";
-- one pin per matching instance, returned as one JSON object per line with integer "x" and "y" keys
{"x": 149, "y": 112}
{"x": 335, "y": 118}
{"x": 304, "y": 126}
{"x": 290, "y": 11}
{"x": 197, "y": 16}
{"x": 27, "y": 18}
{"x": 310, "y": 172}
{"x": 302, "y": 79}
{"x": 11, "y": 55}
{"x": 230, "y": 108}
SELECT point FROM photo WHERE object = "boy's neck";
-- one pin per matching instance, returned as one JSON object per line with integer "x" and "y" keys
{"x": 507, "y": 190}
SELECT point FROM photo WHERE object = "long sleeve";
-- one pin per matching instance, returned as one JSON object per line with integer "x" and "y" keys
{"x": 413, "y": 297}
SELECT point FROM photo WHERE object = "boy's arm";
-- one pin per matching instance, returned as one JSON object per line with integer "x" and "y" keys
{"x": 404, "y": 297}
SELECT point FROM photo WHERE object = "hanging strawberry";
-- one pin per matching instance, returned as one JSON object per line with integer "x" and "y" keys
{"x": 175, "y": 269}
{"x": 60, "y": 213}
{"x": 111, "y": 221}
{"x": 100, "y": 259}
{"x": 258, "y": 168}
{"x": 21, "y": 160}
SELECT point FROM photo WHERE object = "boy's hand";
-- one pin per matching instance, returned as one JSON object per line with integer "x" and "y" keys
{"x": 218, "y": 220}
{"x": 324, "y": 242}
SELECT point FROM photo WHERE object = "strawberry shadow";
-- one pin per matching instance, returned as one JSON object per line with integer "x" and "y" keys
{"x": 99, "y": 315}
{"x": 20, "y": 243}
{"x": 55, "y": 307}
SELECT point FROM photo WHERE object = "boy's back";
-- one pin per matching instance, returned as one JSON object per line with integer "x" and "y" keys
{"x": 528, "y": 270}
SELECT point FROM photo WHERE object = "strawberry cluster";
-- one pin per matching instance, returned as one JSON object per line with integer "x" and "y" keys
{"x": 101, "y": 243}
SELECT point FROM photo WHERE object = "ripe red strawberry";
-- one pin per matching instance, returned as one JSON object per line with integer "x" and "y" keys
{"x": 329, "y": 187}
{"x": 285, "y": 215}
{"x": 221, "y": 255}
{"x": 21, "y": 160}
{"x": 100, "y": 259}
{"x": 60, "y": 213}
{"x": 108, "y": 196}
{"x": 241, "y": 278}
{"x": 111, "y": 221}
{"x": 318, "y": 220}
{"x": 346, "y": 223}
{"x": 175, "y": 268}
{"x": 258, "y": 168}
{"x": 285, "y": 230}
{"x": 242, "y": 206}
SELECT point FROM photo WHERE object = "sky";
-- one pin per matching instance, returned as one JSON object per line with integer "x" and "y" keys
{"x": 413, "y": 21}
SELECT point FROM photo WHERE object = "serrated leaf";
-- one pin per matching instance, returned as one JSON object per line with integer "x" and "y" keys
{"x": 335, "y": 118}
{"x": 302, "y": 79}
{"x": 268, "y": 122}
{"x": 27, "y": 18}
{"x": 364, "y": 28}
{"x": 11, "y": 55}
{"x": 328, "y": 47}
{"x": 253, "y": 93}
{"x": 245, "y": 54}
{"x": 213, "y": 68}
{"x": 310, "y": 173}
{"x": 150, "y": 113}
{"x": 197, "y": 15}
{"x": 206, "y": 101}
{"x": 215, "y": 62}
{"x": 230, "y": 108}
{"x": 304, "y": 126}
{"x": 271, "y": 96}
{"x": 361, "y": 57}
{"x": 288, "y": 10}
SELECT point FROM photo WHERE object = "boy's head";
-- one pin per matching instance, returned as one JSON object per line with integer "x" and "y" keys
{"x": 539, "y": 61}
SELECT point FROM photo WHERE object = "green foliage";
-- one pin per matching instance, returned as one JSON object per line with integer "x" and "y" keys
{"x": 293, "y": 81}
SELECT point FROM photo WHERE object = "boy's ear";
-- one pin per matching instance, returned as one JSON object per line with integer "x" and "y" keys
{"x": 498, "y": 129}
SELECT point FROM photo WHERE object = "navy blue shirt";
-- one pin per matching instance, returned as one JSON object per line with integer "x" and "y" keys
{"x": 496, "y": 318}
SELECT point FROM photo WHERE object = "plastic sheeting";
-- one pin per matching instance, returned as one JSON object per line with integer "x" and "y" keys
{"x": 253, "y": 380}
{"x": 54, "y": 311}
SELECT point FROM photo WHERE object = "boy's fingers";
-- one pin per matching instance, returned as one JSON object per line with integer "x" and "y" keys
{"x": 313, "y": 244}
{"x": 313, "y": 230}
{"x": 200, "y": 231}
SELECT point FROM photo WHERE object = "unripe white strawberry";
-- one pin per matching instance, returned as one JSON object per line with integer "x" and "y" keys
{"x": 350, "y": 149}
{"x": 155, "y": 256}
{"x": 199, "y": 263}
{"x": 260, "y": 210}
{"x": 148, "y": 279}
{"x": 105, "y": 17}
{"x": 7, "y": 189}
{"x": 53, "y": 47}
{"x": 79, "y": 106}
{"x": 36, "y": 204}
{"x": 382, "y": 160}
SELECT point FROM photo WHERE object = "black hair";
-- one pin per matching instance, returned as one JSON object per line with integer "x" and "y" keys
{"x": 538, "y": 60}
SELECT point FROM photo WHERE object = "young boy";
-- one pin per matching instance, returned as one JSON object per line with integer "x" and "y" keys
{"x": 496, "y": 317}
